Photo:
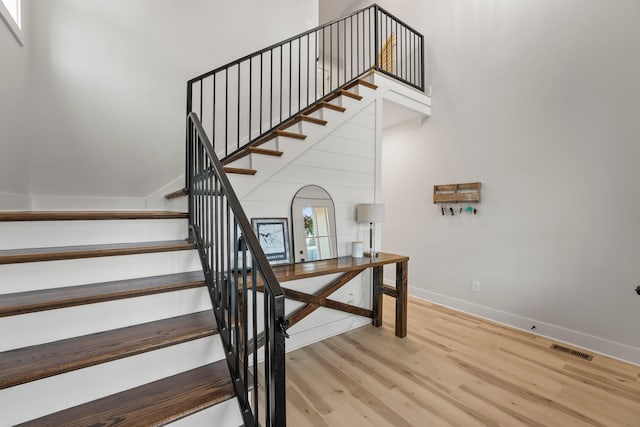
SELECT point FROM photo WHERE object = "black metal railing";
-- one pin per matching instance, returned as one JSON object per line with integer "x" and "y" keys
{"x": 231, "y": 107}
{"x": 241, "y": 101}
{"x": 235, "y": 267}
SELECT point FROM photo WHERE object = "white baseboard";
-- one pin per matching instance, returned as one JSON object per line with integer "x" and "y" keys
{"x": 323, "y": 331}
{"x": 608, "y": 348}
{"x": 14, "y": 202}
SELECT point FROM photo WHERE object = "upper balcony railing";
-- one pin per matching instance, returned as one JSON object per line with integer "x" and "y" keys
{"x": 240, "y": 101}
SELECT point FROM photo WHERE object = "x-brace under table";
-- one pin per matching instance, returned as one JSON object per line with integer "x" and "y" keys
{"x": 350, "y": 268}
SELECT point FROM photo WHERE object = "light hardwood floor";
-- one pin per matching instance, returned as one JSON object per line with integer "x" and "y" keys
{"x": 454, "y": 370}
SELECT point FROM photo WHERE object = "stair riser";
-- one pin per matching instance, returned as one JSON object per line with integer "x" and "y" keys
{"x": 38, "y": 398}
{"x": 311, "y": 130}
{"x": 362, "y": 90}
{"x": 179, "y": 204}
{"x": 18, "y": 235}
{"x": 331, "y": 116}
{"x": 51, "y": 325}
{"x": 271, "y": 144}
{"x": 241, "y": 163}
{"x": 346, "y": 102}
{"x": 52, "y": 274}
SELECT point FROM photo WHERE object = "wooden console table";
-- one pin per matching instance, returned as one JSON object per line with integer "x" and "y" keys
{"x": 350, "y": 268}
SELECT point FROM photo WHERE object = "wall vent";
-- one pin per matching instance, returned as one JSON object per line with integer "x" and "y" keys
{"x": 576, "y": 353}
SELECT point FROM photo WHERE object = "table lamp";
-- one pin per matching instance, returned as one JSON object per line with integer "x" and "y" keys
{"x": 370, "y": 213}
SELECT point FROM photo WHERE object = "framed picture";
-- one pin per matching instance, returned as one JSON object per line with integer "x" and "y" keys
{"x": 273, "y": 235}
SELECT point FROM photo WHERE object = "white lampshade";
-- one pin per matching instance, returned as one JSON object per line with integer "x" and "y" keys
{"x": 370, "y": 213}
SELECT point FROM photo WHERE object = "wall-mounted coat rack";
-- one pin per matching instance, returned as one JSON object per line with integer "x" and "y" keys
{"x": 454, "y": 193}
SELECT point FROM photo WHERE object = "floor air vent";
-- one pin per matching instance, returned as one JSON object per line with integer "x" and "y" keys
{"x": 572, "y": 352}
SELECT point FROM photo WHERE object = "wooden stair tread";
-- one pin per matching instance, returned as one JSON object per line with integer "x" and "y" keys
{"x": 87, "y": 215}
{"x": 32, "y": 363}
{"x": 49, "y": 299}
{"x": 14, "y": 256}
{"x": 240, "y": 171}
{"x": 178, "y": 193}
{"x": 367, "y": 84}
{"x": 331, "y": 106}
{"x": 311, "y": 119}
{"x": 156, "y": 403}
{"x": 265, "y": 151}
{"x": 352, "y": 95}
{"x": 287, "y": 134}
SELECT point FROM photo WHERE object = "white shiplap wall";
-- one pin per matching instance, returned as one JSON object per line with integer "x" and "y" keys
{"x": 344, "y": 163}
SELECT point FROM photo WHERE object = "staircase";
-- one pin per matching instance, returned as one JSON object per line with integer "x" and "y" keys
{"x": 258, "y": 161}
{"x": 98, "y": 331}
{"x": 144, "y": 318}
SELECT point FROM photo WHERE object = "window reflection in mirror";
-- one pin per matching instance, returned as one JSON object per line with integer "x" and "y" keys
{"x": 313, "y": 217}
{"x": 316, "y": 226}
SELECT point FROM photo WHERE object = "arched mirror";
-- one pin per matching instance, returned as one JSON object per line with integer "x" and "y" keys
{"x": 313, "y": 218}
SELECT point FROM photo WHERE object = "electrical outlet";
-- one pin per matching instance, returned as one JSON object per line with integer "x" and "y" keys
{"x": 475, "y": 286}
{"x": 351, "y": 299}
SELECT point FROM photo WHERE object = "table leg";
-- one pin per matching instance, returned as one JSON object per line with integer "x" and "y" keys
{"x": 377, "y": 296}
{"x": 401, "y": 299}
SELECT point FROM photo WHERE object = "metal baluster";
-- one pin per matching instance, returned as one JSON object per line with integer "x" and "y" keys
{"x": 250, "y": 96}
{"x": 323, "y": 64}
{"x": 375, "y": 30}
{"x": 290, "y": 72}
{"x": 351, "y": 47}
{"x": 235, "y": 292}
{"x": 308, "y": 66}
{"x": 271, "y": 90}
{"x": 299, "y": 74}
{"x": 337, "y": 56}
{"x": 245, "y": 320}
{"x": 315, "y": 66}
{"x": 422, "y": 82}
{"x": 330, "y": 59}
{"x": 268, "y": 372}
{"x": 344, "y": 51}
{"x": 226, "y": 112}
{"x": 213, "y": 114}
{"x": 395, "y": 48}
{"x": 254, "y": 306}
{"x": 200, "y": 115}
{"x": 238, "y": 102}
{"x": 281, "y": 55}
{"x": 260, "y": 118}
{"x": 358, "y": 42}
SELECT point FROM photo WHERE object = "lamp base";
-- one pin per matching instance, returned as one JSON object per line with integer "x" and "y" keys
{"x": 371, "y": 254}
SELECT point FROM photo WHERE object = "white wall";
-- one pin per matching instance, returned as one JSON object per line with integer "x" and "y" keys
{"x": 108, "y": 84}
{"x": 14, "y": 177}
{"x": 344, "y": 164}
{"x": 538, "y": 101}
